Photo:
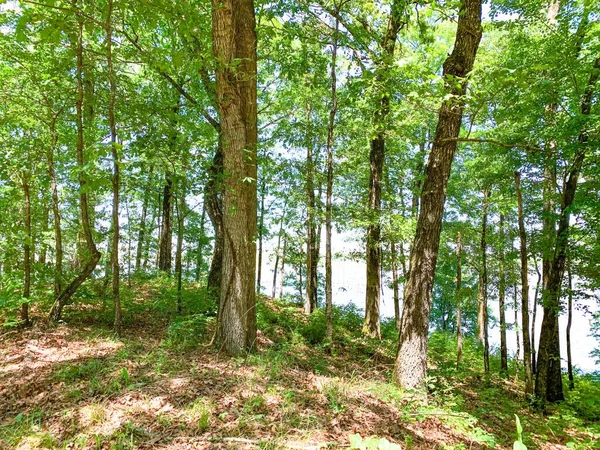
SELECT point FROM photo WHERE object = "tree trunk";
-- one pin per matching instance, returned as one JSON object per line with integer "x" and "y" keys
{"x": 43, "y": 246}
{"x": 458, "y": 298}
{"x": 94, "y": 255}
{"x": 524, "y": 290}
{"x": 569, "y": 323}
{"x": 260, "y": 236}
{"x": 548, "y": 384}
{"x": 234, "y": 47}
{"x": 329, "y": 194}
{"x": 115, "y": 178}
{"x": 142, "y": 229}
{"x": 26, "y": 251}
{"x": 180, "y": 205}
{"x": 372, "y": 327}
{"x": 282, "y": 270}
{"x": 58, "y": 254}
{"x": 312, "y": 248}
{"x": 214, "y": 207}
{"x": 200, "y": 250}
{"x": 395, "y": 286}
{"x": 482, "y": 311}
{"x": 166, "y": 237}
{"x": 501, "y": 301}
{"x": 278, "y": 250}
{"x": 518, "y": 353}
{"x": 535, "y": 304}
{"x": 411, "y": 361}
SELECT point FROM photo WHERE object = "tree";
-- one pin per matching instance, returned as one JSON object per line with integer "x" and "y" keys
{"x": 234, "y": 39}
{"x": 411, "y": 360}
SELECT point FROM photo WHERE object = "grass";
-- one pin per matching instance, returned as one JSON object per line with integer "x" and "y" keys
{"x": 161, "y": 386}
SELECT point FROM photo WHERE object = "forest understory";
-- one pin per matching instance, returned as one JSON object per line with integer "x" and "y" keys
{"x": 163, "y": 385}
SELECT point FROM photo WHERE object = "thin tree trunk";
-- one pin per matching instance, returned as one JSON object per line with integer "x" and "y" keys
{"x": 569, "y": 323}
{"x": 458, "y": 299}
{"x": 282, "y": 270}
{"x": 214, "y": 207}
{"x": 312, "y": 248}
{"x": 200, "y": 251}
{"x": 518, "y": 353}
{"x": 94, "y": 255}
{"x": 524, "y": 290}
{"x": 278, "y": 249}
{"x": 26, "y": 251}
{"x": 43, "y": 245}
{"x": 166, "y": 237}
{"x": 501, "y": 300}
{"x": 180, "y": 205}
{"x": 260, "y": 236}
{"x": 411, "y": 360}
{"x": 395, "y": 286}
{"x": 372, "y": 327}
{"x": 329, "y": 193}
{"x": 482, "y": 313}
{"x": 535, "y": 304}
{"x": 115, "y": 178}
{"x": 142, "y": 229}
{"x": 234, "y": 48}
{"x": 58, "y": 253}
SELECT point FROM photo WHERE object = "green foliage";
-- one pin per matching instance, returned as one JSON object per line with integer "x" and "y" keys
{"x": 518, "y": 444}
{"x": 187, "y": 332}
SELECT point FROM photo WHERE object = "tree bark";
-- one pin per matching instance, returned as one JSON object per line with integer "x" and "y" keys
{"x": 501, "y": 300}
{"x": 200, "y": 250}
{"x": 312, "y": 247}
{"x": 569, "y": 323}
{"x": 411, "y": 361}
{"x": 282, "y": 270}
{"x": 482, "y": 311}
{"x": 260, "y": 235}
{"x": 58, "y": 253}
{"x": 94, "y": 255}
{"x": 395, "y": 286}
{"x": 116, "y": 175}
{"x": 142, "y": 228}
{"x": 329, "y": 192}
{"x": 234, "y": 48}
{"x": 548, "y": 384}
{"x": 166, "y": 237}
{"x": 518, "y": 352}
{"x": 372, "y": 327}
{"x": 214, "y": 207}
{"x": 458, "y": 299}
{"x": 26, "y": 251}
{"x": 535, "y": 304}
{"x": 181, "y": 213}
{"x": 524, "y": 290}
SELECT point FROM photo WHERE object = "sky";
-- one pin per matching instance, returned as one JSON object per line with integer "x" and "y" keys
{"x": 349, "y": 284}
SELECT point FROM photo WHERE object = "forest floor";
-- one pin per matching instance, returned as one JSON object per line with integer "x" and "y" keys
{"x": 75, "y": 386}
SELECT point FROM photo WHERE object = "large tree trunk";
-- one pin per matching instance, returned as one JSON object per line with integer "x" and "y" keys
{"x": 411, "y": 361}
{"x": 312, "y": 239}
{"x": 234, "y": 47}
{"x": 93, "y": 254}
{"x": 372, "y": 326}
{"x": 524, "y": 290}
{"x": 329, "y": 193}
{"x": 501, "y": 300}
{"x": 548, "y": 385}
{"x": 458, "y": 299}
{"x": 482, "y": 310}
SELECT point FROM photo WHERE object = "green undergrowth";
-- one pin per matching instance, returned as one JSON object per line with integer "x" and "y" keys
{"x": 295, "y": 384}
